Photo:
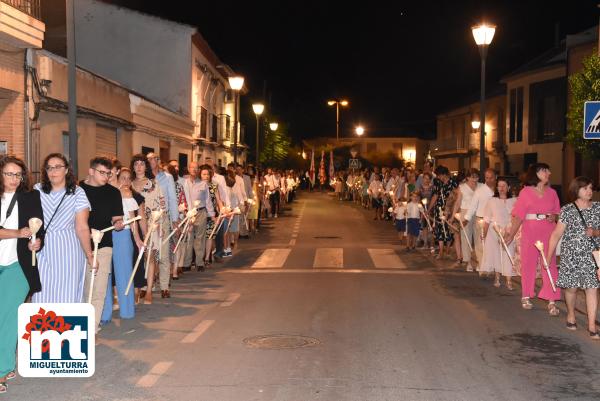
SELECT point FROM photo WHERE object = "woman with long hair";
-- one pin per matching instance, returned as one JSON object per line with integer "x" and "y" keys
{"x": 145, "y": 184}
{"x": 536, "y": 210}
{"x": 579, "y": 227}
{"x": 62, "y": 261}
{"x": 18, "y": 277}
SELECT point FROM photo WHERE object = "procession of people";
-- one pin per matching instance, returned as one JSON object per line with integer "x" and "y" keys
{"x": 498, "y": 228}
{"x": 123, "y": 233}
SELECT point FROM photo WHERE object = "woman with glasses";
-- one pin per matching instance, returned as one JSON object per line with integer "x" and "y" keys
{"x": 536, "y": 210}
{"x": 62, "y": 262}
{"x": 18, "y": 278}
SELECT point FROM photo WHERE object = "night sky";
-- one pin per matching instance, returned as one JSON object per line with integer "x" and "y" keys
{"x": 398, "y": 63}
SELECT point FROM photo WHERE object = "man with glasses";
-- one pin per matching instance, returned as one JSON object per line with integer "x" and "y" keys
{"x": 107, "y": 210}
{"x": 167, "y": 185}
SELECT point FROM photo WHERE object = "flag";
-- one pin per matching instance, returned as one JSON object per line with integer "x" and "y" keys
{"x": 322, "y": 173}
{"x": 331, "y": 166}
{"x": 312, "y": 168}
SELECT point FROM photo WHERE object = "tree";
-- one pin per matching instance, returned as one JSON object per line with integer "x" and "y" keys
{"x": 585, "y": 86}
{"x": 275, "y": 149}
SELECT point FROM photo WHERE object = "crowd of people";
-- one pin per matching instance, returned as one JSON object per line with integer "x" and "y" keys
{"x": 499, "y": 228}
{"x": 131, "y": 228}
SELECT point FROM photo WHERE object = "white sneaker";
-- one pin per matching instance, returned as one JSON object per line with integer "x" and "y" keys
{"x": 275, "y": 215}
{"x": 469, "y": 268}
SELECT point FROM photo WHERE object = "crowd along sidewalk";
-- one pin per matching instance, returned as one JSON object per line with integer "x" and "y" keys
{"x": 448, "y": 264}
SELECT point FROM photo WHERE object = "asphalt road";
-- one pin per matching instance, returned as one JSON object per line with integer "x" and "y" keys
{"x": 369, "y": 322}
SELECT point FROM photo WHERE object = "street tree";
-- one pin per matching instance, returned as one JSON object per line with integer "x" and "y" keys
{"x": 585, "y": 86}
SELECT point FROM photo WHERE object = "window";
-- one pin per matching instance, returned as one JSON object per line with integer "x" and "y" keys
{"x": 146, "y": 150}
{"x": 183, "y": 161}
{"x": 203, "y": 122}
{"x": 214, "y": 128}
{"x": 547, "y": 110}
{"x": 516, "y": 115}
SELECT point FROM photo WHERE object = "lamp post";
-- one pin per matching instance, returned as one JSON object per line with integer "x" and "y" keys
{"x": 236, "y": 83}
{"x": 359, "y": 130}
{"x": 258, "y": 109}
{"x": 273, "y": 127}
{"x": 483, "y": 35}
{"x": 337, "y": 103}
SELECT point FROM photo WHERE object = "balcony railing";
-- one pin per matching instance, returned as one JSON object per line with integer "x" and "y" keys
{"x": 453, "y": 144}
{"x": 30, "y": 7}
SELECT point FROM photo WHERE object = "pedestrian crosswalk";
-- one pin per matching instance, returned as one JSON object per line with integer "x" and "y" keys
{"x": 327, "y": 258}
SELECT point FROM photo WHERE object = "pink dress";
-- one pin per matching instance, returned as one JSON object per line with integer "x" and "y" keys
{"x": 529, "y": 202}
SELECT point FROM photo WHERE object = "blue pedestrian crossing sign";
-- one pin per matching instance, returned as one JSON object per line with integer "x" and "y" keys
{"x": 591, "y": 120}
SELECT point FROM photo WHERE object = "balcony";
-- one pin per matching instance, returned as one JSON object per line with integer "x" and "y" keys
{"x": 450, "y": 146}
{"x": 20, "y": 24}
{"x": 29, "y": 7}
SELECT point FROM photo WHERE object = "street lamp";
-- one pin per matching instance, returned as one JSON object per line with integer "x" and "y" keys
{"x": 273, "y": 126}
{"x": 236, "y": 83}
{"x": 359, "y": 130}
{"x": 258, "y": 109}
{"x": 483, "y": 35}
{"x": 475, "y": 124}
{"x": 337, "y": 103}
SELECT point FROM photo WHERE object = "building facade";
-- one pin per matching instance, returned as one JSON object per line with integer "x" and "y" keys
{"x": 21, "y": 30}
{"x": 458, "y": 135}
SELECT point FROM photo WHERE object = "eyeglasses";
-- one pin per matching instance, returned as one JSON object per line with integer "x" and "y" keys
{"x": 107, "y": 174}
{"x": 18, "y": 176}
{"x": 55, "y": 168}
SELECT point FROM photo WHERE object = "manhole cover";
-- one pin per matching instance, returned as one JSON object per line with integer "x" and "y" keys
{"x": 324, "y": 237}
{"x": 280, "y": 341}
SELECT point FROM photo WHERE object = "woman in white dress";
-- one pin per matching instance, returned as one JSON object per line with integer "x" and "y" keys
{"x": 498, "y": 211}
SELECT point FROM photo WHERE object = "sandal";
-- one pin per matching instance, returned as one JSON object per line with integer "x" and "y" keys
{"x": 509, "y": 286}
{"x": 526, "y": 303}
{"x": 3, "y": 387}
{"x": 497, "y": 283}
{"x": 11, "y": 375}
{"x": 594, "y": 335}
{"x": 571, "y": 326}
{"x": 552, "y": 309}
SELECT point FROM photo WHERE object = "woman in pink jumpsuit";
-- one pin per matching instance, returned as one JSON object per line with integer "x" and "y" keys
{"x": 536, "y": 209}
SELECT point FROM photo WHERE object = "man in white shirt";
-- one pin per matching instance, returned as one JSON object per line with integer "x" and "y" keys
{"x": 480, "y": 198}
{"x": 463, "y": 202}
{"x": 273, "y": 185}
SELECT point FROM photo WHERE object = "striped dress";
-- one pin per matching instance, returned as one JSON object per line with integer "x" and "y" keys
{"x": 61, "y": 261}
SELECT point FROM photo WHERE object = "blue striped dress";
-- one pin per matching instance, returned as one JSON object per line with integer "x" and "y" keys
{"x": 61, "y": 261}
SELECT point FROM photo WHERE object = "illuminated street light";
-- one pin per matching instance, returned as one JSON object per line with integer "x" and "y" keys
{"x": 483, "y": 35}
{"x": 337, "y": 104}
{"x": 273, "y": 126}
{"x": 258, "y": 109}
{"x": 359, "y": 130}
{"x": 475, "y": 124}
{"x": 236, "y": 83}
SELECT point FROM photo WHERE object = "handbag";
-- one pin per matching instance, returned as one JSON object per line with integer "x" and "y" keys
{"x": 595, "y": 252}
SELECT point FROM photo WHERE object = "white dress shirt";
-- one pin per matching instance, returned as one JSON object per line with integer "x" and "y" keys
{"x": 272, "y": 182}
{"x": 8, "y": 247}
{"x": 467, "y": 194}
{"x": 240, "y": 189}
{"x": 222, "y": 188}
{"x": 480, "y": 198}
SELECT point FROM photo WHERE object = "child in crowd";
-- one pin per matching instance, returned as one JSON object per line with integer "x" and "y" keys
{"x": 414, "y": 219}
{"x": 400, "y": 217}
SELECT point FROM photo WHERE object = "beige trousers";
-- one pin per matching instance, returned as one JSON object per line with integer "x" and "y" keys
{"x": 478, "y": 230}
{"x": 100, "y": 282}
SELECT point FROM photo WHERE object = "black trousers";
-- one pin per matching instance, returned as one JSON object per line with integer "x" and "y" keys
{"x": 274, "y": 201}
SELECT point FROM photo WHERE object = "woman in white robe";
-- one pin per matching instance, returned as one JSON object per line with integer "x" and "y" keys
{"x": 497, "y": 212}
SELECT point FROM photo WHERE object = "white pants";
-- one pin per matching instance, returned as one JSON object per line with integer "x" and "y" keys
{"x": 468, "y": 231}
{"x": 478, "y": 229}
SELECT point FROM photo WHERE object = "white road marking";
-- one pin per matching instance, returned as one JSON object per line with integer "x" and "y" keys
{"x": 273, "y": 258}
{"x": 197, "y": 332}
{"x": 329, "y": 258}
{"x": 231, "y": 299}
{"x": 295, "y": 235}
{"x": 293, "y": 242}
{"x": 155, "y": 373}
{"x": 353, "y": 271}
{"x": 386, "y": 259}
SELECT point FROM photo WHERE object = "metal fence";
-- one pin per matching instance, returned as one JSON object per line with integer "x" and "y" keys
{"x": 31, "y": 7}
